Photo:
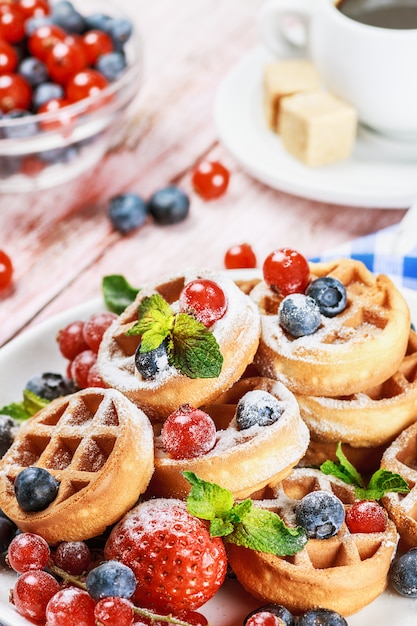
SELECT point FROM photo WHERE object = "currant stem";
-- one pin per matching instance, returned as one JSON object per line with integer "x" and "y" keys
{"x": 154, "y": 617}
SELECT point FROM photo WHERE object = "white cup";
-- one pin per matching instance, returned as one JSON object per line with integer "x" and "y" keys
{"x": 374, "y": 68}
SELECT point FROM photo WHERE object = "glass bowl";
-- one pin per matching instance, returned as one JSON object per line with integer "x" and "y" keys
{"x": 43, "y": 150}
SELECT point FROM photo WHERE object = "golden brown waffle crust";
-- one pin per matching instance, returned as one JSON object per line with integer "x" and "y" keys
{"x": 370, "y": 418}
{"x": 242, "y": 461}
{"x": 99, "y": 446}
{"x": 349, "y": 352}
{"x": 237, "y": 334}
{"x": 343, "y": 573}
{"x": 401, "y": 458}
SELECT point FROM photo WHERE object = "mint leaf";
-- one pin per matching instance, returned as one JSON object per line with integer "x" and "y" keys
{"x": 196, "y": 353}
{"x": 207, "y": 500}
{"x": 30, "y": 405}
{"x": 117, "y": 293}
{"x": 155, "y": 320}
{"x": 242, "y": 524}
{"x": 265, "y": 531}
{"x": 343, "y": 469}
{"x": 382, "y": 482}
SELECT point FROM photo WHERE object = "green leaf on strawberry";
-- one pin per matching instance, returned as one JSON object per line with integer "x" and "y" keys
{"x": 242, "y": 523}
{"x": 381, "y": 482}
{"x": 192, "y": 348}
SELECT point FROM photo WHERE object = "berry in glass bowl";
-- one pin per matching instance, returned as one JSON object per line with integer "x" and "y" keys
{"x": 63, "y": 103}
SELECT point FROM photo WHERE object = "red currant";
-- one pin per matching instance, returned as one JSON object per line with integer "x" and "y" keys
{"x": 210, "y": 179}
{"x": 8, "y": 58}
{"x": 32, "y": 592}
{"x": 366, "y": 516}
{"x": 81, "y": 366}
{"x": 65, "y": 59}
{"x": 114, "y": 611}
{"x": 188, "y": 433}
{"x": 6, "y": 270}
{"x": 43, "y": 39}
{"x": 28, "y": 551}
{"x": 84, "y": 84}
{"x": 74, "y": 557}
{"x": 95, "y": 327}
{"x": 286, "y": 271}
{"x": 96, "y": 42}
{"x": 71, "y": 340}
{"x": 15, "y": 93}
{"x": 264, "y": 618}
{"x": 240, "y": 256}
{"x": 193, "y": 617}
{"x": 64, "y": 120}
{"x": 70, "y": 606}
{"x": 204, "y": 299}
{"x": 94, "y": 378}
{"x": 12, "y": 23}
{"x": 33, "y": 8}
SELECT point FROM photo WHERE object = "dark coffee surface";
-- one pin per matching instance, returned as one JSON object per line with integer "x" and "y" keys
{"x": 400, "y": 14}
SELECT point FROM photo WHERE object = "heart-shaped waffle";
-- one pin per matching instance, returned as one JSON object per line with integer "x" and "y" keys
{"x": 99, "y": 446}
{"x": 343, "y": 573}
{"x": 357, "y": 349}
{"x": 242, "y": 461}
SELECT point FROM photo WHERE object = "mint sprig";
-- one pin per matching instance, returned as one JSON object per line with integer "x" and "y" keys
{"x": 242, "y": 523}
{"x": 21, "y": 411}
{"x": 192, "y": 348}
{"x": 117, "y": 293}
{"x": 381, "y": 482}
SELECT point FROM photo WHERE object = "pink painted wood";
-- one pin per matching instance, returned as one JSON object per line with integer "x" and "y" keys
{"x": 61, "y": 241}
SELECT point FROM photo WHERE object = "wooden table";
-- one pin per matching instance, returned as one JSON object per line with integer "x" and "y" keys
{"x": 61, "y": 241}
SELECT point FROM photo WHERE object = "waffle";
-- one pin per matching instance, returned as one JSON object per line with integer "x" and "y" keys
{"x": 365, "y": 422}
{"x": 349, "y": 352}
{"x": 99, "y": 446}
{"x": 343, "y": 573}
{"x": 401, "y": 458}
{"x": 242, "y": 461}
{"x": 237, "y": 334}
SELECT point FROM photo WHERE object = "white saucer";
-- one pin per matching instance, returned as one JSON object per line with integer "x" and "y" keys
{"x": 381, "y": 173}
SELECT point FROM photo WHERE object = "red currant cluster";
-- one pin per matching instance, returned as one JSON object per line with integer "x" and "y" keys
{"x": 52, "y": 587}
{"x": 63, "y": 60}
{"x": 79, "y": 342}
{"x": 6, "y": 269}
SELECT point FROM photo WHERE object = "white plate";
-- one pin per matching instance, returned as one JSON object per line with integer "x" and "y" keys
{"x": 36, "y": 351}
{"x": 381, "y": 173}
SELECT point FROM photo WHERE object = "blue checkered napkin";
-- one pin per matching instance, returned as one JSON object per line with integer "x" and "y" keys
{"x": 375, "y": 252}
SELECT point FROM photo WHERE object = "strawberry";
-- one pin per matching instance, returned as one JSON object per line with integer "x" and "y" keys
{"x": 177, "y": 564}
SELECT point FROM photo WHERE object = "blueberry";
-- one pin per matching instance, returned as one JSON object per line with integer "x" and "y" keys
{"x": 127, "y": 212}
{"x": 111, "y": 578}
{"x": 169, "y": 205}
{"x": 50, "y": 386}
{"x": 7, "y": 532}
{"x": 120, "y": 30}
{"x": 329, "y": 294}
{"x": 321, "y": 617}
{"x": 320, "y": 513}
{"x": 276, "y": 609}
{"x": 65, "y": 15}
{"x": 111, "y": 65}
{"x": 7, "y": 426}
{"x": 150, "y": 363}
{"x": 20, "y": 130}
{"x": 257, "y": 407}
{"x": 403, "y": 574}
{"x": 33, "y": 23}
{"x": 35, "y": 488}
{"x": 299, "y": 315}
{"x": 97, "y": 21}
{"x": 33, "y": 71}
{"x": 9, "y": 165}
{"x": 44, "y": 92}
